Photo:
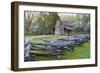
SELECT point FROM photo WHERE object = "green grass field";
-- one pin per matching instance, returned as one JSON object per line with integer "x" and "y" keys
{"x": 80, "y": 52}
{"x": 38, "y": 39}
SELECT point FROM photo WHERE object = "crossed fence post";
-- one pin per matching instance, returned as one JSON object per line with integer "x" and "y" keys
{"x": 27, "y": 51}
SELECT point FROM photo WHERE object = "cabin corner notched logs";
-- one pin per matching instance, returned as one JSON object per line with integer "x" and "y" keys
{"x": 54, "y": 47}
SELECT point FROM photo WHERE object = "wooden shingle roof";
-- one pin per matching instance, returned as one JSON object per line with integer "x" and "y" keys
{"x": 67, "y": 26}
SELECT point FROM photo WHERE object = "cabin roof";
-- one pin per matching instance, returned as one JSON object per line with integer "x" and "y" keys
{"x": 64, "y": 25}
{"x": 67, "y": 26}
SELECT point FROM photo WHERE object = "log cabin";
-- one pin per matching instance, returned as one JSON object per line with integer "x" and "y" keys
{"x": 62, "y": 28}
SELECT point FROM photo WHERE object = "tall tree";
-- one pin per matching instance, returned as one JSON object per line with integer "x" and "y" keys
{"x": 28, "y": 17}
{"x": 83, "y": 22}
{"x": 47, "y": 21}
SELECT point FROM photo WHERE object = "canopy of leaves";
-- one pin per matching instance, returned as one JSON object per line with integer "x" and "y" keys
{"x": 46, "y": 22}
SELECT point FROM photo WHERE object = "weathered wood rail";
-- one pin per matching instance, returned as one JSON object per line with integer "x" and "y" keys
{"x": 55, "y": 47}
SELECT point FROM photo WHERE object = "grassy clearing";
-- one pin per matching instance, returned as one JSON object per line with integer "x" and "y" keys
{"x": 80, "y": 52}
{"x": 38, "y": 39}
